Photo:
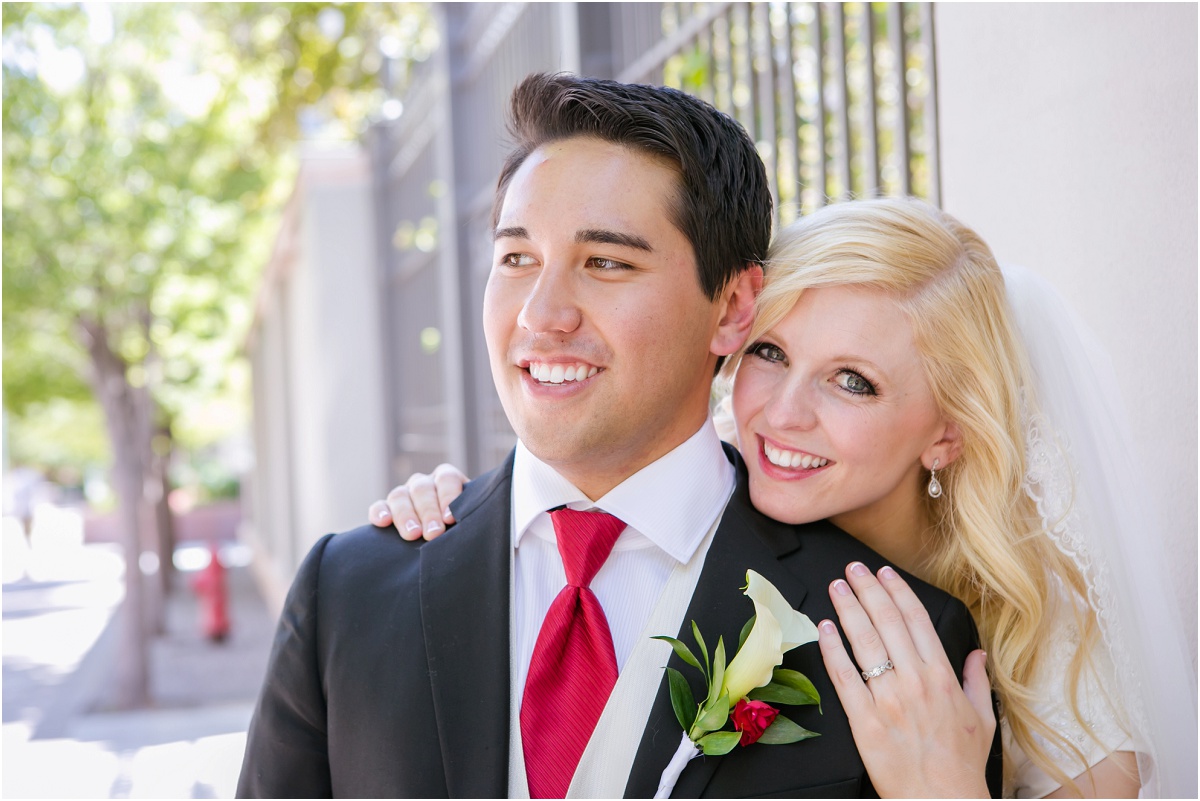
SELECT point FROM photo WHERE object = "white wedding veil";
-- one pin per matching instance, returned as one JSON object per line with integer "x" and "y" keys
{"x": 1090, "y": 491}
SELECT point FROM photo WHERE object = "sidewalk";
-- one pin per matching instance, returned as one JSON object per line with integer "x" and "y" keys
{"x": 59, "y": 641}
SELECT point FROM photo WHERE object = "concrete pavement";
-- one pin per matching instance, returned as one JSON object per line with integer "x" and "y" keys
{"x": 59, "y": 636}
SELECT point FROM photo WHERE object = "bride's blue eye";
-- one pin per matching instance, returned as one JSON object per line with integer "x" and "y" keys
{"x": 767, "y": 352}
{"x": 854, "y": 383}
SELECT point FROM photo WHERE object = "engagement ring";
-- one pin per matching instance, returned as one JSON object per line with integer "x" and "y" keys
{"x": 878, "y": 670}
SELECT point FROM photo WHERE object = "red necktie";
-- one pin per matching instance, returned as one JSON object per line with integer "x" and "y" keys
{"x": 574, "y": 667}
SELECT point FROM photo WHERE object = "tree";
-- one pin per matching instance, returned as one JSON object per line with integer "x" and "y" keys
{"x": 146, "y": 156}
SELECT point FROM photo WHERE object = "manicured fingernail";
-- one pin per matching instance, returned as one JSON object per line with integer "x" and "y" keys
{"x": 841, "y": 587}
{"x": 412, "y": 525}
{"x": 859, "y": 569}
{"x": 828, "y": 627}
{"x": 433, "y": 526}
{"x": 382, "y": 514}
{"x": 887, "y": 573}
{"x": 447, "y": 515}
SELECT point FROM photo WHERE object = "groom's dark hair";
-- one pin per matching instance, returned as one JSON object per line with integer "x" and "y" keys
{"x": 724, "y": 203}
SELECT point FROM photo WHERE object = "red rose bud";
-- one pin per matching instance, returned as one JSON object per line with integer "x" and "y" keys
{"x": 752, "y": 718}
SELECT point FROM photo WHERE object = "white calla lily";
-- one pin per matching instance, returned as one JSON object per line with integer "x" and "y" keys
{"x": 778, "y": 628}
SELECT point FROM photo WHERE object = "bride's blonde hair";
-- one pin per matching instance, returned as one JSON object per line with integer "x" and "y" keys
{"x": 991, "y": 548}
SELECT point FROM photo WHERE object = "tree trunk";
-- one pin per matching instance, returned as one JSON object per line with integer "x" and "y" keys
{"x": 164, "y": 519}
{"x": 128, "y": 426}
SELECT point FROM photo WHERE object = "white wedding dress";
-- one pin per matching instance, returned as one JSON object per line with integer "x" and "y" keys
{"x": 1085, "y": 478}
{"x": 1111, "y": 729}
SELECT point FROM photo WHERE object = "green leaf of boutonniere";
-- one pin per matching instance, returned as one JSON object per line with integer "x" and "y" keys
{"x": 787, "y": 687}
{"x": 783, "y": 731}
{"x": 682, "y": 700}
{"x": 719, "y": 742}
{"x": 746, "y": 631}
{"x": 703, "y": 649}
{"x": 718, "y": 673}
{"x": 713, "y": 715}
{"x": 681, "y": 650}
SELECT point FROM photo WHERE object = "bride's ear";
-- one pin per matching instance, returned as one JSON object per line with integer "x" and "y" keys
{"x": 946, "y": 449}
{"x": 737, "y": 311}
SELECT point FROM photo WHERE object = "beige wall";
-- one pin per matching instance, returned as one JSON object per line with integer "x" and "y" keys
{"x": 1068, "y": 140}
{"x": 318, "y": 369}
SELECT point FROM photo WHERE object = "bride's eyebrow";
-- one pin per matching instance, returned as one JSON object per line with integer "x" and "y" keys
{"x": 603, "y": 236}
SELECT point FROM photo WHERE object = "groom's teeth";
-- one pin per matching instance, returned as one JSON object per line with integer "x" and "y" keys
{"x": 561, "y": 373}
{"x": 793, "y": 459}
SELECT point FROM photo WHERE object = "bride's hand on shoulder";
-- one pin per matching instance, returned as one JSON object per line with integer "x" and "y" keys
{"x": 919, "y": 733}
{"x": 420, "y": 507}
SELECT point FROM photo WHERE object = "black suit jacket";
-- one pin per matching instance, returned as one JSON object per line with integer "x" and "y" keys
{"x": 389, "y": 676}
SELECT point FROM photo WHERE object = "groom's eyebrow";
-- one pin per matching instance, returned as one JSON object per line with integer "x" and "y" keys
{"x": 593, "y": 236}
{"x": 603, "y": 236}
{"x": 511, "y": 232}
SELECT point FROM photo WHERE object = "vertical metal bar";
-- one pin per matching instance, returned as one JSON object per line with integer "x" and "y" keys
{"x": 900, "y": 56}
{"x": 870, "y": 122}
{"x": 785, "y": 61}
{"x": 723, "y": 48}
{"x": 742, "y": 69}
{"x": 762, "y": 68}
{"x": 568, "y": 37}
{"x": 837, "y": 38}
{"x": 933, "y": 152}
{"x": 818, "y": 33}
{"x": 710, "y": 86}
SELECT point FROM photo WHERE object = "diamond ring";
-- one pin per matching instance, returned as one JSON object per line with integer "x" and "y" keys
{"x": 877, "y": 671}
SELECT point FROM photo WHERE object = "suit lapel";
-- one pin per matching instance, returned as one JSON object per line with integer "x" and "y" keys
{"x": 745, "y": 540}
{"x": 465, "y": 617}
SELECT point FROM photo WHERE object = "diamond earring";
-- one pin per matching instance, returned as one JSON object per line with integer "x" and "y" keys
{"x": 935, "y": 486}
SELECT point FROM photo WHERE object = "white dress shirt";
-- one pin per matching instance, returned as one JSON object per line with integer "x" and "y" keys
{"x": 668, "y": 508}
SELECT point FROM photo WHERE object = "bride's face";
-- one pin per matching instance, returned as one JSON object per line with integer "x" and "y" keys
{"x": 834, "y": 412}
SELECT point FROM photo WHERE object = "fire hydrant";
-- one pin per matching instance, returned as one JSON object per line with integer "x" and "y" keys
{"x": 213, "y": 592}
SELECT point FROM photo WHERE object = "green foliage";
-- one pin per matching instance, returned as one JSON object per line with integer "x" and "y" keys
{"x": 704, "y": 722}
{"x": 682, "y": 700}
{"x": 787, "y": 687}
{"x": 719, "y": 742}
{"x": 681, "y": 650}
{"x": 147, "y": 152}
{"x": 783, "y": 731}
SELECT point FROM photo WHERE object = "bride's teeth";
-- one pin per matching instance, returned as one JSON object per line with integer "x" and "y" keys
{"x": 556, "y": 374}
{"x": 593, "y": 371}
{"x": 569, "y": 373}
{"x": 793, "y": 459}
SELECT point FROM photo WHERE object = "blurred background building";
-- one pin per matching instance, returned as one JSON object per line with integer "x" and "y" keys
{"x": 245, "y": 247}
{"x": 1065, "y": 134}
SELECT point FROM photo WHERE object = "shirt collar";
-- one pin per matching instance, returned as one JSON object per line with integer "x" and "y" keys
{"x": 672, "y": 501}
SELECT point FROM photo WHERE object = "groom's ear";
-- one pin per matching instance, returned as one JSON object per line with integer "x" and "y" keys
{"x": 737, "y": 311}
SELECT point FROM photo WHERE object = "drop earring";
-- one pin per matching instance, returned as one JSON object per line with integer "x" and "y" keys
{"x": 935, "y": 486}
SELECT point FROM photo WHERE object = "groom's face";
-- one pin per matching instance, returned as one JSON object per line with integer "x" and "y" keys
{"x": 598, "y": 332}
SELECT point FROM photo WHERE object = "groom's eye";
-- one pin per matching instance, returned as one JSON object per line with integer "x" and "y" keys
{"x": 601, "y": 263}
{"x": 516, "y": 260}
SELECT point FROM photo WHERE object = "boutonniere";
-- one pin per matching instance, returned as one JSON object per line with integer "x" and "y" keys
{"x": 743, "y": 689}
